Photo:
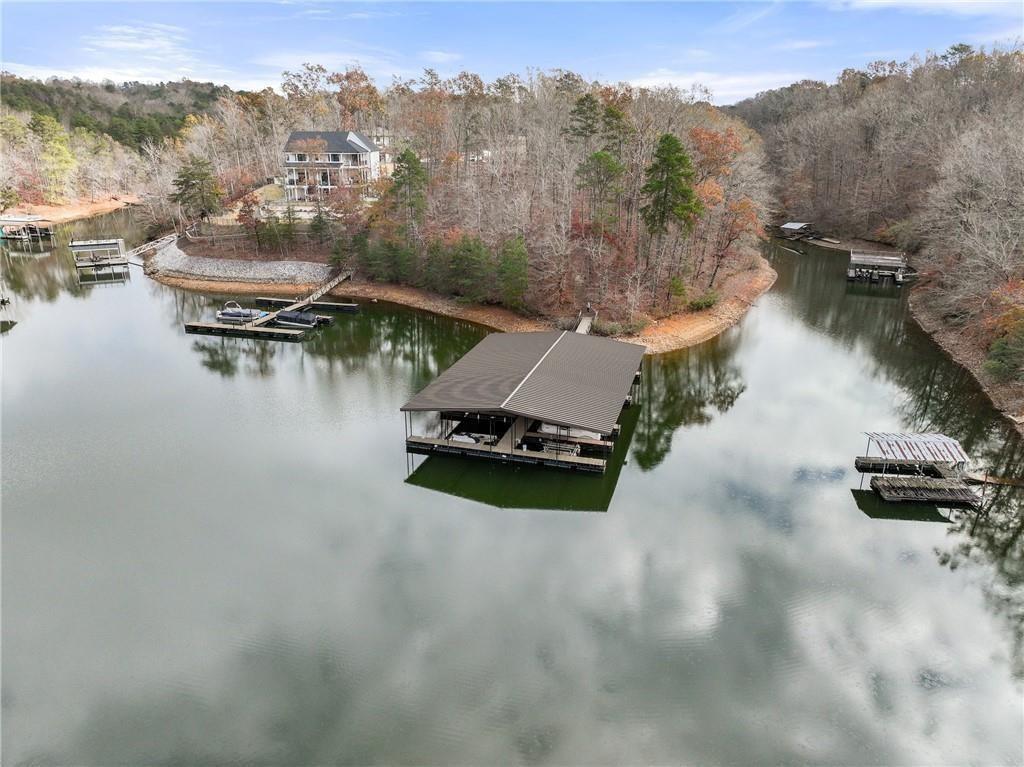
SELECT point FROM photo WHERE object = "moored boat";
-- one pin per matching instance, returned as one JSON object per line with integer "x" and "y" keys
{"x": 234, "y": 314}
{"x": 303, "y": 320}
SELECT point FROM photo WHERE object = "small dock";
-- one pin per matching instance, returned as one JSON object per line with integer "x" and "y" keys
{"x": 245, "y": 331}
{"x": 25, "y": 228}
{"x": 98, "y": 254}
{"x": 263, "y": 328}
{"x": 918, "y": 469}
{"x": 878, "y": 265}
{"x": 941, "y": 492}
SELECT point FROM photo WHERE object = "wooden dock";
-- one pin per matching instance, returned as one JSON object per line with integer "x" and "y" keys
{"x": 263, "y": 327}
{"x": 907, "y": 467}
{"x": 264, "y": 302}
{"x": 245, "y": 331}
{"x": 437, "y": 446}
{"x": 942, "y": 492}
{"x": 99, "y": 254}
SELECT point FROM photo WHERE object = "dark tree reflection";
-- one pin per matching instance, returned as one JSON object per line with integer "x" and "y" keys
{"x": 684, "y": 389}
{"x": 994, "y": 540}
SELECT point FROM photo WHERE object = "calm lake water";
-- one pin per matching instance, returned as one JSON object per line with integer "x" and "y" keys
{"x": 214, "y": 550}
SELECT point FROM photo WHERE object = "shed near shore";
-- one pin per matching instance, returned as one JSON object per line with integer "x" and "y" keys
{"x": 548, "y": 397}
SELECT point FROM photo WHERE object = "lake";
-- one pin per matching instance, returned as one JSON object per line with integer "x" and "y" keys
{"x": 216, "y": 550}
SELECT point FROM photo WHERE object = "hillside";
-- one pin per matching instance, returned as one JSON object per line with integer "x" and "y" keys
{"x": 130, "y": 113}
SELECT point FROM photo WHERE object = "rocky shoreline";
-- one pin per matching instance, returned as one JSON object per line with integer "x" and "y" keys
{"x": 172, "y": 266}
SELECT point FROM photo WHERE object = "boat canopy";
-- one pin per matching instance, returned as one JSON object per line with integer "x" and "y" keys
{"x": 918, "y": 447}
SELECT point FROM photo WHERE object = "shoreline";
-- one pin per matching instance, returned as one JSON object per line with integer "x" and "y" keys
{"x": 1007, "y": 399}
{"x": 62, "y": 214}
{"x": 170, "y": 266}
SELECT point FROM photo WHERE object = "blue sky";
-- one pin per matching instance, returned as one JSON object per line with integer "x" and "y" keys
{"x": 735, "y": 49}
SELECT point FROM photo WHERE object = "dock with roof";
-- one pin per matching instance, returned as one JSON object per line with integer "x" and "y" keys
{"x": 550, "y": 398}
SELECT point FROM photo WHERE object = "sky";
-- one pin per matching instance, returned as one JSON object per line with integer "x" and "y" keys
{"x": 733, "y": 49}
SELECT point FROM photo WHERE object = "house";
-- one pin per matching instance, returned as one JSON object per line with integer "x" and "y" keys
{"x": 318, "y": 162}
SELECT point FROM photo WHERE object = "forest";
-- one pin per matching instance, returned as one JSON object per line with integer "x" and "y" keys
{"x": 925, "y": 155}
{"x": 539, "y": 193}
{"x": 549, "y": 191}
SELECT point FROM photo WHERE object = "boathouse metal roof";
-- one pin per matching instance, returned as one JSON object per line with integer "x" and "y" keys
{"x": 562, "y": 378}
{"x": 877, "y": 258}
{"x": 795, "y": 225}
{"x": 918, "y": 447}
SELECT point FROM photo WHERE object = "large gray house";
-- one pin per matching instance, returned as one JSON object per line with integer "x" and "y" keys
{"x": 318, "y": 162}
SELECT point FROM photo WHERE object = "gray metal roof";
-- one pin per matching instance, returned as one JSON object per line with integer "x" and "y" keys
{"x": 877, "y": 258}
{"x": 561, "y": 378}
{"x": 794, "y": 225}
{"x": 335, "y": 142}
{"x": 918, "y": 447}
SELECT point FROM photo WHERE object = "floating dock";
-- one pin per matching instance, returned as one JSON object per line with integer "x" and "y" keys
{"x": 321, "y": 306}
{"x": 918, "y": 469}
{"x": 25, "y": 228}
{"x": 941, "y": 492}
{"x": 263, "y": 327}
{"x": 99, "y": 254}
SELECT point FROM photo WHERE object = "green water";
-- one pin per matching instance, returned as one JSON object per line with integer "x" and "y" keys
{"x": 216, "y": 551}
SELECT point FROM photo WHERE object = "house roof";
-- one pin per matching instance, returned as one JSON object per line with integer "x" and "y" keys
{"x": 562, "y": 378}
{"x": 918, "y": 447}
{"x": 336, "y": 142}
{"x": 794, "y": 225}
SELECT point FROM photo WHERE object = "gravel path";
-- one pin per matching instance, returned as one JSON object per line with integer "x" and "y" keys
{"x": 171, "y": 261}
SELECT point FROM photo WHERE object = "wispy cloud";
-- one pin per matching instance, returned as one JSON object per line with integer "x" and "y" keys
{"x": 725, "y": 88}
{"x": 747, "y": 16}
{"x": 800, "y": 45}
{"x": 440, "y": 57}
{"x": 956, "y": 7}
{"x": 1008, "y": 34}
{"x": 363, "y": 15}
{"x": 162, "y": 45}
{"x": 379, "y": 63}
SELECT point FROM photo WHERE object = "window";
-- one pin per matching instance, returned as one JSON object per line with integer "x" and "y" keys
{"x": 300, "y": 158}
{"x": 335, "y": 158}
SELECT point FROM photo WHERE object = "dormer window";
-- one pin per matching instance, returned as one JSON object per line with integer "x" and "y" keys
{"x": 300, "y": 157}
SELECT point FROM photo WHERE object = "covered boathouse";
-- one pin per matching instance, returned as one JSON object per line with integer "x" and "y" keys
{"x": 549, "y": 398}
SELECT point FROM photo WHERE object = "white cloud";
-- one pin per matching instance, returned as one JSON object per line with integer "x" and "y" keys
{"x": 800, "y": 45}
{"x": 144, "y": 52}
{"x": 1009, "y": 34}
{"x": 161, "y": 44}
{"x": 363, "y": 15}
{"x": 725, "y": 88}
{"x": 440, "y": 57}
{"x": 748, "y": 16}
{"x": 955, "y": 7}
{"x": 379, "y": 63}
{"x": 119, "y": 73}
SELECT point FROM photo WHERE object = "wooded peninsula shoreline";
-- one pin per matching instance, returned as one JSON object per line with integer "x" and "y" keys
{"x": 75, "y": 211}
{"x": 679, "y": 331}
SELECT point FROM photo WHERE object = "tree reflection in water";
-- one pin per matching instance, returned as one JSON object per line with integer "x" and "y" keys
{"x": 684, "y": 389}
